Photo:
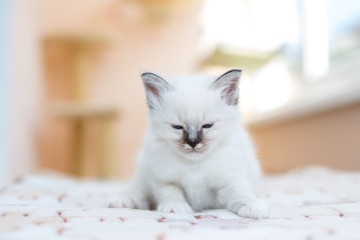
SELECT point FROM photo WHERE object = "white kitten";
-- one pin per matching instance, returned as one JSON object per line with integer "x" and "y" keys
{"x": 196, "y": 154}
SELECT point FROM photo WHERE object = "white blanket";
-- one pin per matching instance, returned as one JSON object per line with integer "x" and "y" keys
{"x": 311, "y": 203}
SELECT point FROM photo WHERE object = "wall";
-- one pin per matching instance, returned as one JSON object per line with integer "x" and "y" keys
{"x": 4, "y": 85}
{"x": 19, "y": 86}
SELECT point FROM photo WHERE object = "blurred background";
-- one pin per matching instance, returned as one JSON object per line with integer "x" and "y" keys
{"x": 72, "y": 100}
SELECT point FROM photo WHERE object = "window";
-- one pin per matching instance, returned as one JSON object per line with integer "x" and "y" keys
{"x": 295, "y": 52}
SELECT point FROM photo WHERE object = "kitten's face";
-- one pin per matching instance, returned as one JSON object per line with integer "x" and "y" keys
{"x": 192, "y": 115}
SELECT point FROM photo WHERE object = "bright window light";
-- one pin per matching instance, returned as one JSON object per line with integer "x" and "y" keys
{"x": 253, "y": 25}
{"x": 273, "y": 87}
{"x": 316, "y": 43}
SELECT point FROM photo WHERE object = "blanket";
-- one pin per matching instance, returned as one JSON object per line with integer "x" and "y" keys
{"x": 309, "y": 203}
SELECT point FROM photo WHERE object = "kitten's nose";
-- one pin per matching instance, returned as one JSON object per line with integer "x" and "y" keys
{"x": 192, "y": 137}
{"x": 193, "y": 143}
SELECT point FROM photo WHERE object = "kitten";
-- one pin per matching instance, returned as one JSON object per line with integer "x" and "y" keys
{"x": 196, "y": 154}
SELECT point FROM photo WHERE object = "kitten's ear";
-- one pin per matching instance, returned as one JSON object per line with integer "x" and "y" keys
{"x": 228, "y": 85}
{"x": 155, "y": 87}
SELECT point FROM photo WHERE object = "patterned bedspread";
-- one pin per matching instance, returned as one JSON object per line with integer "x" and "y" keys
{"x": 310, "y": 203}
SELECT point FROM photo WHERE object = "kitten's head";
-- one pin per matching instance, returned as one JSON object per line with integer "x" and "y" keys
{"x": 192, "y": 115}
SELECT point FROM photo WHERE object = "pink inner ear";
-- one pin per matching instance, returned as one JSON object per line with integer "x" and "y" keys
{"x": 152, "y": 88}
{"x": 228, "y": 93}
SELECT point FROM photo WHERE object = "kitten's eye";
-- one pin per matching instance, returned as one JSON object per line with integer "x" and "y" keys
{"x": 209, "y": 125}
{"x": 177, "y": 127}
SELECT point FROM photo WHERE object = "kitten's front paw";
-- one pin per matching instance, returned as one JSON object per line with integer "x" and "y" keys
{"x": 120, "y": 202}
{"x": 256, "y": 210}
{"x": 175, "y": 207}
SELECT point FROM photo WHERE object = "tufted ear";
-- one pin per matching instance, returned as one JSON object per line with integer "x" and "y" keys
{"x": 155, "y": 87}
{"x": 228, "y": 86}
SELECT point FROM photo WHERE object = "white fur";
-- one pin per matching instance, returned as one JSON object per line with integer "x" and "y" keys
{"x": 171, "y": 178}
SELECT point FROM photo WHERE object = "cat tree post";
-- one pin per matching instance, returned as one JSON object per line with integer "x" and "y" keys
{"x": 78, "y": 110}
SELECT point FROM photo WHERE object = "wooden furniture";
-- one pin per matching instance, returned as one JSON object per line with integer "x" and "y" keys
{"x": 78, "y": 110}
{"x": 78, "y": 114}
{"x": 327, "y": 138}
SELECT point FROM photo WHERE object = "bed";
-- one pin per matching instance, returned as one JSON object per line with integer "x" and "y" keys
{"x": 308, "y": 203}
